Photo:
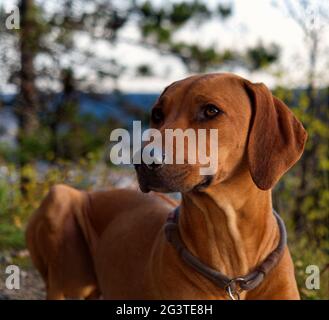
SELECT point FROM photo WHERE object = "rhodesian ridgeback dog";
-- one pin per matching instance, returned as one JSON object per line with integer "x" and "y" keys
{"x": 113, "y": 242}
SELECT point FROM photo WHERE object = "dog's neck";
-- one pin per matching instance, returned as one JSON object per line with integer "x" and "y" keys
{"x": 230, "y": 226}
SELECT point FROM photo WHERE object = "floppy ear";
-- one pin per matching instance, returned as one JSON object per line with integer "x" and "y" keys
{"x": 276, "y": 138}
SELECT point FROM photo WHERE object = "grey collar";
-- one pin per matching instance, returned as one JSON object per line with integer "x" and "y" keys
{"x": 232, "y": 286}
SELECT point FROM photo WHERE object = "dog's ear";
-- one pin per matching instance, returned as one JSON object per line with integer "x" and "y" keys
{"x": 276, "y": 138}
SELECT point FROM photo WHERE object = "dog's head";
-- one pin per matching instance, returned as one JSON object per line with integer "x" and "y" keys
{"x": 256, "y": 131}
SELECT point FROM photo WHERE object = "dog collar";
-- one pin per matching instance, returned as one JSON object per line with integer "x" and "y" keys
{"x": 232, "y": 286}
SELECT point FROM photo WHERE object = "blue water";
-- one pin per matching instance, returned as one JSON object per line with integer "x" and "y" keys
{"x": 104, "y": 106}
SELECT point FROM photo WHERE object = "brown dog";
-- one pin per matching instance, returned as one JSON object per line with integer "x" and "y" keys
{"x": 225, "y": 219}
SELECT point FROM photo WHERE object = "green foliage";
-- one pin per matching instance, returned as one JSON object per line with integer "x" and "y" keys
{"x": 81, "y": 135}
{"x": 11, "y": 236}
{"x": 144, "y": 70}
{"x": 34, "y": 146}
{"x": 182, "y": 12}
{"x": 77, "y": 136}
{"x": 200, "y": 59}
{"x": 261, "y": 56}
{"x": 302, "y": 196}
{"x": 159, "y": 24}
{"x": 225, "y": 10}
{"x": 16, "y": 207}
{"x": 175, "y": 15}
{"x": 304, "y": 254}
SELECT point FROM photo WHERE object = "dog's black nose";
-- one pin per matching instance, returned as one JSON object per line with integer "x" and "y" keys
{"x": 157, "y": 163}
{"x": 152, "y": 160}
{"x": 154, "y": 166}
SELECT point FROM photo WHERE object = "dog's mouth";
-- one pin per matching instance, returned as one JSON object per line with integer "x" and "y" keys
{"x": 205, "y": 183}
{"x": 156, "y": 184}
{"x": 152, "y": 181}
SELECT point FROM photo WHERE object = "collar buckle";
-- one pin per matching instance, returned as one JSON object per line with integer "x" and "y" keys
{"x": 233, "y": 288}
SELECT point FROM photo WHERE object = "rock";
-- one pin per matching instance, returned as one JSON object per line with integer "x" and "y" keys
{"x": 23, "y": 253}
{"x": 4, "y": 296}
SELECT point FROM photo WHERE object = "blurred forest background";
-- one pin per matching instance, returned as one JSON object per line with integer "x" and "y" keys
{"x": 61, "y": 94}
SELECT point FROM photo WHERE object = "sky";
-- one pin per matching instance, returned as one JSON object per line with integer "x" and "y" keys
{"x": 252, "y": 21}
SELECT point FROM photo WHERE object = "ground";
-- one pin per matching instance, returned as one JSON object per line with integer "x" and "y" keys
{"x": 31, "y": 284}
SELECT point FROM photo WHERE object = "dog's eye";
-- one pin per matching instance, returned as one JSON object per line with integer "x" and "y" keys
{"x": 157, "y": 115}
{"x": 210, "y": 111}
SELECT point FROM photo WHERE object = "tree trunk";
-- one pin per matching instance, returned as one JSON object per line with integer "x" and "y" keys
{"x": 28, "y": 104}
